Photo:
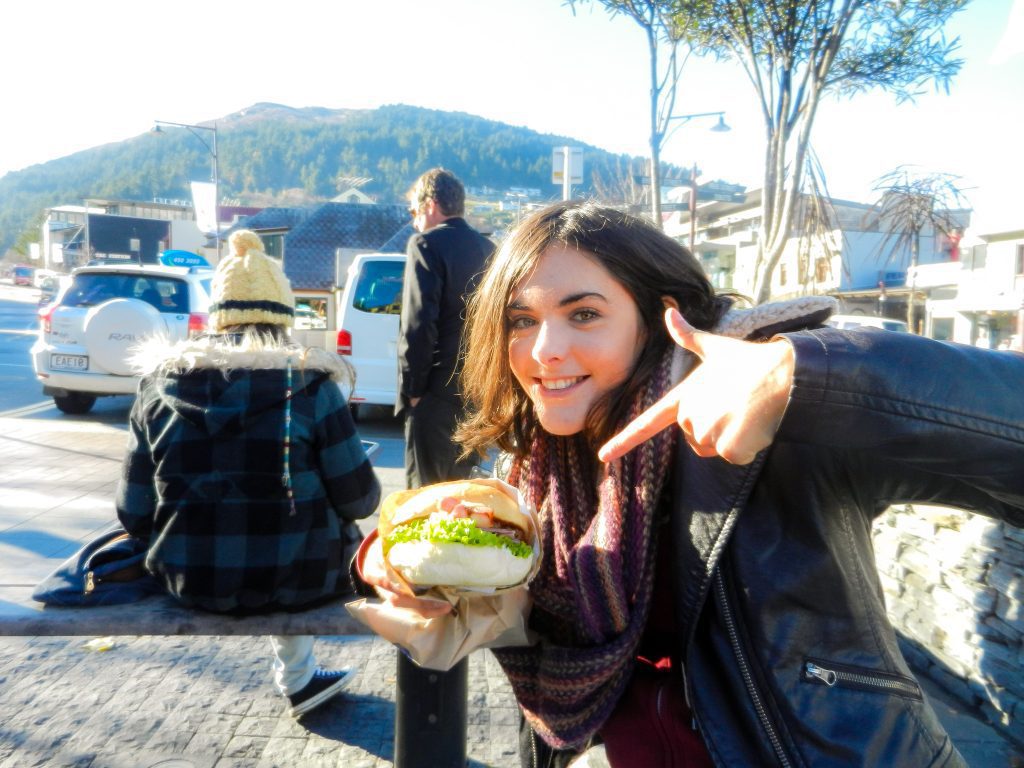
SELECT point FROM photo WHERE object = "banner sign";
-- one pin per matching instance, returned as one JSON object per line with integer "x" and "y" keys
{"x": 204, "y": 200}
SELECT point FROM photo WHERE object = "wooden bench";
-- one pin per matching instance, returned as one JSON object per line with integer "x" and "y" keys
{"x": 161, "y": 615}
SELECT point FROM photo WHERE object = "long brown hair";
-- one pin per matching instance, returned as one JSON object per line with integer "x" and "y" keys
{"x": 648, "y": 264}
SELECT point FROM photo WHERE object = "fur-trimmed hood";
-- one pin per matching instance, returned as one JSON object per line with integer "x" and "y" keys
{"x": 766, "y": 320}
{"x": 220, "y": 383}
{"x": 218, "y": 352}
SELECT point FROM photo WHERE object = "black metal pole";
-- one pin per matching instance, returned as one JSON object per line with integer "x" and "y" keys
{"x": 430, "y": 715}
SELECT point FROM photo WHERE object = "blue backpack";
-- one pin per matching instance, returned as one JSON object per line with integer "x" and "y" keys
{"x": 109, "y": 570}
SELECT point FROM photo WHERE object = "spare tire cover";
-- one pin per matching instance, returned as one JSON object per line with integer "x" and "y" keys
{"x": 113, "y": 328}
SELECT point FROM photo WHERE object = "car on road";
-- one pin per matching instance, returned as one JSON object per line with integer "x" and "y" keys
{"x": 42, "y": 274}
{"x": 308, "y": 320}
{"x": 89, "y": 332}
{"x": 371, "y": 302}
{"x": 51, "y": 286}
{"x": 866, "y": 321}
{"x": 22, "y": 275}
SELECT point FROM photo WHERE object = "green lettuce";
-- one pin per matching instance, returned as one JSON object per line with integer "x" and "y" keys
{"x": 460, "y": 531}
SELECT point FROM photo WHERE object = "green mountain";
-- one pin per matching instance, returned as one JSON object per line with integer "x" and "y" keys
{"x": 269, "y": 152}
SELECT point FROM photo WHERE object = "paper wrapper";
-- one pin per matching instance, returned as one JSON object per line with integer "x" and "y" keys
{"x": 480, "y": 617}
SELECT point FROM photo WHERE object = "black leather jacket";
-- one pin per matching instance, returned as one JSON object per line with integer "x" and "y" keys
{"x": 789, "y": 656}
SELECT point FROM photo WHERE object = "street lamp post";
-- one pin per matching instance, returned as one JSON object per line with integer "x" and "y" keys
{"x": 212, "y": 149}
{"x": 720, "y": 127}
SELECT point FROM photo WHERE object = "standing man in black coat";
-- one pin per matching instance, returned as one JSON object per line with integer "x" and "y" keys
{"x": 445, "y": 261}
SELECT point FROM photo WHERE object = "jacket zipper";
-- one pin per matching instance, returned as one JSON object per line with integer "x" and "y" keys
{"x": 755, "y": 696}
{"x": 660, "y": 727}
{"x": 859, "y": 678}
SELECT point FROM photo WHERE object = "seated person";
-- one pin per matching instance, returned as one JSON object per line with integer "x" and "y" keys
{"x": 244, "y": 472}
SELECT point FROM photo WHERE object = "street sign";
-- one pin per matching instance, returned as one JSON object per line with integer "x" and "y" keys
{"x": 720, "y": 197}
{"x": 721, "y": 186}
{"x": 669, "y": 207}
{"x": 645, "y": 181}
{"x": 575, "y": 165}
{"x": 721, "y": 192}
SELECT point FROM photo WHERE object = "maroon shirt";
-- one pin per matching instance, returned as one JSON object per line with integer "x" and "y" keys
{"x": 651, "y": 725}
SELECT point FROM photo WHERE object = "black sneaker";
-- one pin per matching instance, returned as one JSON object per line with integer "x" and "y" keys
{"x": 323, "y": 687}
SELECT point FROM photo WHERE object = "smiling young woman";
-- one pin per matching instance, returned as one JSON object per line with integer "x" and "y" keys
{"x": 705, "y": 593}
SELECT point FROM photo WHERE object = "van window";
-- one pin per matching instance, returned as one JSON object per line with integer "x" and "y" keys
{"x": 379, "y": 288}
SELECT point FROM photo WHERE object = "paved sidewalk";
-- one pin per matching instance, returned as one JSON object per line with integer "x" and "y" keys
{"x": 142, "y": 702}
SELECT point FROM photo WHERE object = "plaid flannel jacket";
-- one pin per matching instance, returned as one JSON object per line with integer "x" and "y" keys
{"x": 203, "y": 480}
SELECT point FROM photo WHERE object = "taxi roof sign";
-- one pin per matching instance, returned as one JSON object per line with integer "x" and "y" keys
{"x": 183, "y": 259}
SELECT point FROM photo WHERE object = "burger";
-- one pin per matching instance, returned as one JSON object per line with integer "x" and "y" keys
{"x": 465, "y": 533}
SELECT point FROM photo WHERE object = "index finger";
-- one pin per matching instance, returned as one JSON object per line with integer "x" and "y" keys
{"x": 645, "y": 426}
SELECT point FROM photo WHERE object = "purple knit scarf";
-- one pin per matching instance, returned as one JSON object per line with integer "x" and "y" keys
{"x": 592, "y": 595}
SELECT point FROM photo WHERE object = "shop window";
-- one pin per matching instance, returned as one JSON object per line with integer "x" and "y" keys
{"x": 273, "y": 244}
{"x": 942, "y": 328}
{"x": 310, "y": 313}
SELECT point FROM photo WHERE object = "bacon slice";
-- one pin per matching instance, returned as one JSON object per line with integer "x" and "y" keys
{"x": 481, "y": 514}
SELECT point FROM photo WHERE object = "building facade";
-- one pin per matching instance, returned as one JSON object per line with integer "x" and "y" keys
{"x": 978, "y": 299}
{"x": 117, "y": 230}
{"x": 838, "y": 248}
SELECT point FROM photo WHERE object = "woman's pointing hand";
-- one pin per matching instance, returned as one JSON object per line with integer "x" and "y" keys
{"x": 730, "y": 405}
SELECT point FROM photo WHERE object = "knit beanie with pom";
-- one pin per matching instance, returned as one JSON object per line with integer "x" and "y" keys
{"x": 249, "y": 287}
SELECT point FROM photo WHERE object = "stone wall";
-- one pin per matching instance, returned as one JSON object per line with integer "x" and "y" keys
{"x": 954, "y": 587}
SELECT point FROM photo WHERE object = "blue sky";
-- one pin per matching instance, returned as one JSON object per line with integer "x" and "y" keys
{"x": 78, "y": 75}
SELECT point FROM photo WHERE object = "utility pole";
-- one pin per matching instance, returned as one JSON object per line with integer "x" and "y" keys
{"x": 693, "y": 209}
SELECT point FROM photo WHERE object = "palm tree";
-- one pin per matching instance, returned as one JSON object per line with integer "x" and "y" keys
{"x": 912, "y": 202}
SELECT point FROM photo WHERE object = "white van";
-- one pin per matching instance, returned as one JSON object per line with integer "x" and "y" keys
{"x": 368, "y": 326}
{"x": 866, "y": 321}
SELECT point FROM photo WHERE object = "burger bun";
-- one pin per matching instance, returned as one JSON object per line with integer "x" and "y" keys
{"x": 427, "y": 563}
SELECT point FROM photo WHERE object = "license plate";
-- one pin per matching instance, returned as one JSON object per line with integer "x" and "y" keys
{"x": 69, "y": 362}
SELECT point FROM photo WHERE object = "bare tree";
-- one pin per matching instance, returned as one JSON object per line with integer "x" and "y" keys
{"x": 665, "y": 29}
{"x": 618, "y": 185}
{"x": 796, "y": 51}
{"x": 912, "y": 202}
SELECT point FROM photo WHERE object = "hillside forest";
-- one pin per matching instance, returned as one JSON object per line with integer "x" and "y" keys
{"x": 270, "y": 154}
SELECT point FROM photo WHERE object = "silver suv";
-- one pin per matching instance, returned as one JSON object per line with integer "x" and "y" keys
{"x": 89, "y": 331}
